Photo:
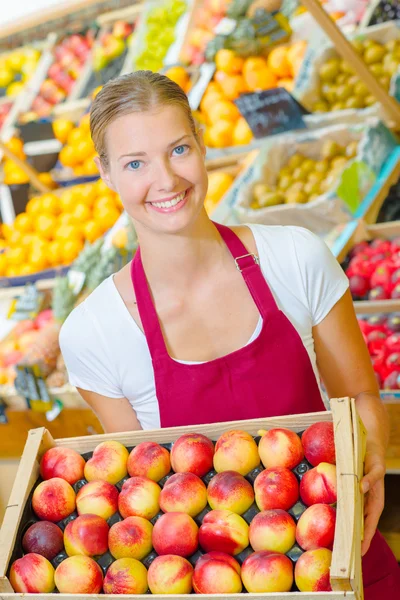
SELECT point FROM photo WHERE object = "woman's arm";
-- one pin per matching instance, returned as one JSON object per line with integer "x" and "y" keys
{"x": 114, "y": 414}
{"x": 346, "y": 370}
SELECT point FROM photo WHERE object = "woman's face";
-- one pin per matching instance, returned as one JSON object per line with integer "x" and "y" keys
{"x": 156, "y": 165}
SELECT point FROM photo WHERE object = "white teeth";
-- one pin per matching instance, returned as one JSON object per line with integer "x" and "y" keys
{"x": 169, "y": 203}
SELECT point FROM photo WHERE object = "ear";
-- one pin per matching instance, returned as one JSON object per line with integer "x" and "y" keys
{"x": 105, "y": 175}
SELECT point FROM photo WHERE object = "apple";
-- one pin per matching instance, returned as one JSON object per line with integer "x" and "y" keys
{"x": 378, "y": 293}
{"x": 149, "y": 459}
{"x": 395, "y": 294}
{"x": 108, "y": 463}
{"x": 121, "y": 29}
{"x": 273, "y": 530}
{"x": 393, "y": 362}
{"x": 170, "y": 574}
{"x": 312, "y": 571}
{"x": 79, "y": 575}
{"x": 86, "y": 535}
{"x": 131, "y": 538}
{"x": 53, "y": 500}
{"x": 319, "y": 443}
{"x": 97, "y": 498}
{"x": 276, "y": 488}
{"x": 126, "y": 576}
{"x": 359, "y": 285}
{"x": 280, "y": 447}
{"x": 44, "y": 538}
{"x": 231, "y": 491}
{"x": 392, "y": 381}
{"x": 217, "y": 573}
{"x": 393, "y": 322}
{"x": 224, "y": 531}
{"x": 192, "y": 453}
{"x": 236, "y": 451}
{"x": 175, "y": 533}
{"x": 395, "y": 279}
{"x": 267, "y": 572}
{"x": 32, "y": 574}
{"x": 139, "y": 497}
{"x": 184, "y": 492}
{"x": 316, "y": 527}
{"x": 64, "y": 463}
{"x": 318, "y": 486}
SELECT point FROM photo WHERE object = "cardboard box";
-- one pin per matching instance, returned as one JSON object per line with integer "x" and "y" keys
{"x": 346, "y": 575}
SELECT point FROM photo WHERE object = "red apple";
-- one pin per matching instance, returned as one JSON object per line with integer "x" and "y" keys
{"x": 359, "y": 285}
{"x": 276, "y": 488}
{"x": 393, "y": 362}
{"x": 393, "y": 343}
{"x": 44, "y": 538}
{"x": 378, "y": 293}
{"x": 319, "y": 443}
{"x": 395, "y": 292}
{"x": 318, "y": 486}
{"x": 316, "y": 527}
{"x": 392, "y": 381}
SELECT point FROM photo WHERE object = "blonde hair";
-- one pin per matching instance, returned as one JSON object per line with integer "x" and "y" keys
{"x": 135, "y": 92}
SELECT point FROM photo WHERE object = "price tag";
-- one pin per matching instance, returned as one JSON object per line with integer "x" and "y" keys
{"x": 28, "y": 305}
{"x": 226, "y": 26}
{"x": 376, "y": 145}
{"x": 271, "y": 112}
{"x": 76, "y": 280}
{"x": 30, "y": 385}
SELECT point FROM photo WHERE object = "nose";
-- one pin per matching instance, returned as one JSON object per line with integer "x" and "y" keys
{"x": 165, "y": 177}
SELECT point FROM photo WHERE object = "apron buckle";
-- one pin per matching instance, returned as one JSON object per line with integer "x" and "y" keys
{"x": 253, "y": 256}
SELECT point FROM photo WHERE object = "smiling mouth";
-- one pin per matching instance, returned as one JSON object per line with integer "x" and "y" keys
{"x": 170, "y": 203}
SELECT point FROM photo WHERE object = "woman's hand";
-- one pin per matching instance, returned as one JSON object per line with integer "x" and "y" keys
{"x": 372, "y": 485}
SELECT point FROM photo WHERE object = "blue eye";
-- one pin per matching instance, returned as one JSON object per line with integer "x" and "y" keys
{"x": 180, "y": 150}
{"x": 134, "y": 165}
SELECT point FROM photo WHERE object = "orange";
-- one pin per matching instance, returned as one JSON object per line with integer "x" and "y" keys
{"x": 84, "y": 123}
{"x": 27, "y": 239}
{"x": 120, "y": 238}
{"x": 106, "y": 201}
{"x": 89, "y": 167}
{"x": 23, "y": 223}
{"x": 286, "y": 83}
{"x": 38, "y": 259}
{"x": 75, "y": 136}
{"x": 6, "y": 230}
{"x": 16, "y": 256}
{"x": 295, "y": 55}
{"x": 218, "y": 183}
{"x": 62, "y": 129}
{"x": 3, "y": 263}
{"x": 17, "y": 146}
{"x": 68, "y": 157}
{"x": 81, "y": 212}
{"x": 180, "y": 76}
{"x": 233, "y": 86}
{"x": 92, "y": 231}
{"x": 34, "y": 206}
{"x": 66, "y": 219}
{"x": 223, "y": 110}
{"x": 47, "y": 179}
{"x": 50, "y": 204}
{"x": 106, "y": 216}
{"x": 15, "y": 175}
{"x": 264, "y": 79}
{"x": 69, "y": 197}
{"x": 84, "y": 149}
{"x": 15, "y": 238}
{"x": 87, "y": 193}
{"x": 278, "y": 62}
{"x": 220, "y": 134}
{"x": 45, "y": 226}
{"x": 3, "y": 245}
{"x": 37, "y": 243}
{"x": 70, "y": 250}
{"x": 12, "y": 271}
{"x": 102, "y": 187}
{"x": 67, "y": 232}
{"x": 242, "y": 133}
{"x": 26, "y": 269}
{"x": 254, "y": 63}
{"x": 228, "y": 62}
{"x": 209, "y": 100}
{"x": 79, "y": 171}
{"x": 54, "y": 253}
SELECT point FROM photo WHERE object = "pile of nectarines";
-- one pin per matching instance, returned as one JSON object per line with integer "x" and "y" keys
{"x": 213, "y": 518}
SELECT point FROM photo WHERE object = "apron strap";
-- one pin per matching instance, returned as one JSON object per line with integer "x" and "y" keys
{"x": 247, "y": 263}
{"x": 148, "y": 315}
{"x": 249, "y": 266}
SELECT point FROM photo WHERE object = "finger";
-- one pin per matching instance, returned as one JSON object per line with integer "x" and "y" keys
{"x": 370, "y": 525}
{"x": 375, "y": 473}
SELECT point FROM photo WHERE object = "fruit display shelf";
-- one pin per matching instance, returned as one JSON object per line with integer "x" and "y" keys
{"x": 282, "y": 186}
{"x": 377, "y": 251}
{"x": 349, "y": 435}
{"x": 326, "y": 83}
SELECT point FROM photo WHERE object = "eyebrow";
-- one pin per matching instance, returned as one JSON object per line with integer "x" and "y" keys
{"x": 174, "y": 143}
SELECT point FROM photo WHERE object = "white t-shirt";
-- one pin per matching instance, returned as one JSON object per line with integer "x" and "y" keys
{"x": 106, "y": 352}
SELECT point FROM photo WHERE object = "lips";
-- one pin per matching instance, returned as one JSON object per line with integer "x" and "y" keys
{"x": 172, "y": 204}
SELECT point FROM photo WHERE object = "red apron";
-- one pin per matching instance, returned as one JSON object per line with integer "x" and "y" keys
{"x": 269, "y": 377}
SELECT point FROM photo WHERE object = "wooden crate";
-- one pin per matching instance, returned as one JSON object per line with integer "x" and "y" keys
{"x": 346, "y": 575}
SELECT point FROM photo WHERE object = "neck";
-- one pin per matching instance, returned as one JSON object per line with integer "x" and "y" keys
{"x": 180, "y": 259}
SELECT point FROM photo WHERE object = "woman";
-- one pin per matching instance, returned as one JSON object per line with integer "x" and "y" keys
{"x": 209, "y": 323}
